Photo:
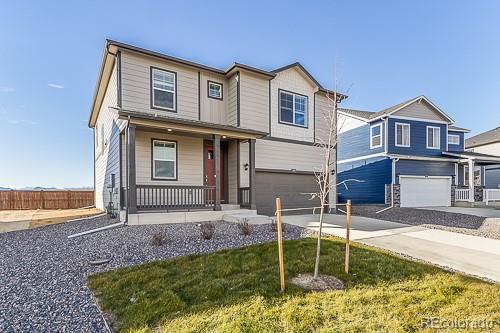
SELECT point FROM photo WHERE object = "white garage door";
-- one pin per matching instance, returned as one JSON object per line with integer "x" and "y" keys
{"x": 425, "y": 192}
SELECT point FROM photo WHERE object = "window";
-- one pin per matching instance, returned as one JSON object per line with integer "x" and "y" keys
{"x": 164, "y": 160}
{"x": 215, "y": 90}
{"x": 376, "y": 136}
{"x": 453, "y": 139}
{"x": 433, "y": 137}
{"x": 163, "y": 89}
{"x": 477, "y": 175}
{"x": 402, "y": 135}
{"x": 293, "y": 109}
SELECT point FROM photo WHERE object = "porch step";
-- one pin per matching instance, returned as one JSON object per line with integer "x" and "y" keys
{"x": 250, "y": 216}
{"x": 229, "y": 207}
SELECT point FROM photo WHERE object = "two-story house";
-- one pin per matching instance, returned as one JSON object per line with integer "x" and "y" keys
{"x": 408, "y": 155}
{"x": 172, "y": 135}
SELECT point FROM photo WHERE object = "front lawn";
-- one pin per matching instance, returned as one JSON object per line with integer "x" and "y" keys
{"x": 238, "y": 291}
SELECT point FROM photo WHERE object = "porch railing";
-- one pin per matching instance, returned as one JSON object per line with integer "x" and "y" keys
{"x": 462, "y": 194}
{"x": 491, "y": 195}
{"x": 244, "y": 197}
{"x": 161, "y": 197}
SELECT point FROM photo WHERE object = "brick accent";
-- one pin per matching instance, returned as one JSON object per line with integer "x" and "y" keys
{"x": 453, "y": 188}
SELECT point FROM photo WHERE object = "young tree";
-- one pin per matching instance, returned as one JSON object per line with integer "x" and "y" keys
{"x": 326, "y": 174}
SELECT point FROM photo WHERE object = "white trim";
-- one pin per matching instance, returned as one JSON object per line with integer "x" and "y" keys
{"x": 365, "y": 157}
{"x": 446, "y": 137}
{"x": 422, "y": 158}
{"x": 459, "y": 130}
{"x": 439, "y": 136}
{"x": 372, "y": 137}
{"x": 412, "y": 176}
{"x": 419, "y": 99}
{"x": 469, "y": 157}
{"x": 421, "y": 119}
{"x": 396, "y": 135}
{"x": 456, "y": 174}
{"x": 386, "y": 141}
{"x": 455, "y": 136}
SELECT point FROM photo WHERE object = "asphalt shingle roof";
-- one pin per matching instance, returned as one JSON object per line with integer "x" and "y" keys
{"x": 483, "y": 138}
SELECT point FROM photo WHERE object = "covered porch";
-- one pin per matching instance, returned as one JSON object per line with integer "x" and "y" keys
{"x": 470, "y": 186}
{"x": 172, "y": 165}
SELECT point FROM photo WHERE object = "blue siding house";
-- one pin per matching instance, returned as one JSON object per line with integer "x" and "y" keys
{"x": 408, "y": 155}
{"x": 487, "y": 143}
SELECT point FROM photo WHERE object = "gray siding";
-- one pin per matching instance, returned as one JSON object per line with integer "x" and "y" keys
{"x": 424, "y": 168}
{"x": 232, "y": 102}
{"x": 254, "y": 102}
{"x": 420, "y": 110}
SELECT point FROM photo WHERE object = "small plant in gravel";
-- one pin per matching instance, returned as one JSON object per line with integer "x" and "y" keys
{"x": 245, "y": 227}
{"x": 159, "y": 238}
{"x": 207, "y": 230}
{"x": 274, "y": 226}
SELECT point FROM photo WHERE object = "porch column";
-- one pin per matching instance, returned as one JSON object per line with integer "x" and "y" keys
{"x": 217, "y": 171}
{"x": 471, "y": 180}
{"x": 251, "y": 162}
{"x": 131, "y": 191}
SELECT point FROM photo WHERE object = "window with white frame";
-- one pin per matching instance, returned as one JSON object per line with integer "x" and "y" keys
{"x": 433, "y": 137}
{"x": 477, "y": 175}
{"x": 402, "y": 135}
{"x": 163, "y": 89}
{"x": 292, "y": 108}
{"x": 164, "y": 160}
{"x": 214, "y": 90}
{"x": 453, "y": 139}
{"x": 376, "y": 136}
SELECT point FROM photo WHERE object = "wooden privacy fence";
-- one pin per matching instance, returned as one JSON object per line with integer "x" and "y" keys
{"x": 14, "y": 199}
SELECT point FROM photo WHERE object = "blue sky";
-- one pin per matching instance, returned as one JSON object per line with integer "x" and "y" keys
{"x": 383, "y": 52}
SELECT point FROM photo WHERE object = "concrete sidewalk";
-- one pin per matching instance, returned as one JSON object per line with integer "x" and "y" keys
{"x": 471, "y": 255}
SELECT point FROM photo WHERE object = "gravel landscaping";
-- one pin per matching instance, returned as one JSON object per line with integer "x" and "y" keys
{"x": 43, "y": 273}
{"x": 461, "y": 223}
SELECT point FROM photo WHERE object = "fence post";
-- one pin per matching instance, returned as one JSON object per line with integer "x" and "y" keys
{"x": 347, "y": 235}
{"x": 11, "y": 199}
{"x": 42, "y": 199}
{"x": 280, "y": 244}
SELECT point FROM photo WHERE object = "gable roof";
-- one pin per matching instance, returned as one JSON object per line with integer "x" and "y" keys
{"x": 310, "y": 77}
{"x": 371, "y": 116}
{"x": 485, "y": 138}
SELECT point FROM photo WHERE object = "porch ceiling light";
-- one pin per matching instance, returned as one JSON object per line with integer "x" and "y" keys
{"x": 169, "y": 130}
{"x": 224, "y": 136}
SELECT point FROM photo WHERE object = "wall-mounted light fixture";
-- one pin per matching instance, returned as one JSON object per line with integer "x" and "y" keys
{"x": 246, "y": 166}
{"x": 332, "y": 172}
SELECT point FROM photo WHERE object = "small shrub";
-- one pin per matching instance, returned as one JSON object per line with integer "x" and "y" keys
{"x": 159, "y": 238}
{"x": 245, "y": 227}
{"x": 207, "y": 230}
{"x": 274, "y": 226}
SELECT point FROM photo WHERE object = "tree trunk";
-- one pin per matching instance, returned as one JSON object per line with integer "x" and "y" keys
{"x": 318, "y": 246}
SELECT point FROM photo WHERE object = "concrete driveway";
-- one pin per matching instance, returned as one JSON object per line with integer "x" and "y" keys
{"x": 477, "y": 211}
{"x": 471, "y": 255}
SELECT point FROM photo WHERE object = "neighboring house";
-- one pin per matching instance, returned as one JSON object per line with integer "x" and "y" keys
{"x": 410, "y": 155}
{"x": 487, "y": 143}
{"x": 173, "y": 135}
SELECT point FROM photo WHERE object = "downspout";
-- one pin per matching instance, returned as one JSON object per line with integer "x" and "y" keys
{"x": 394, "y": 160}
{"x": 127, "y": 168}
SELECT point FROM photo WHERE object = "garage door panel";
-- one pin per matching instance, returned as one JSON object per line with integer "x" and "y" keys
{"x": 425, "y": 191}
{"x": 289, "y": 187}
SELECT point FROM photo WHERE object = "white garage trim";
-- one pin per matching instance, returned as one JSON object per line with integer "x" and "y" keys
{"x": 425, "y": 191}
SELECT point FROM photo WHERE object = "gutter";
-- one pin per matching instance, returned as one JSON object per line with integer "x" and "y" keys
{"x": 394, "y": 160}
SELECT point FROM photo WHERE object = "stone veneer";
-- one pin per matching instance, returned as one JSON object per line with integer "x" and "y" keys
{"x": 397, "y": 194}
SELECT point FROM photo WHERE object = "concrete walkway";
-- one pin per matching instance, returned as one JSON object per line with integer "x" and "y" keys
{"x": 471, "y": 255}
{"x": 477, "y": 211}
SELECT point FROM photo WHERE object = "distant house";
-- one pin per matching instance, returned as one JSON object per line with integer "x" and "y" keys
{"x": 487, "y": 143}
{"x": 410, "y": 154}
{"x": 171, "y": 135}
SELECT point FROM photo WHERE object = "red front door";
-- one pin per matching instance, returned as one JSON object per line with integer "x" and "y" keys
{"x": 209, "y": 156}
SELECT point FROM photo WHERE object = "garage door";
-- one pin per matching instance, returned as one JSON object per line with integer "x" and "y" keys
{"x": 289, "y": 187}
{"x": 425, "y": 192}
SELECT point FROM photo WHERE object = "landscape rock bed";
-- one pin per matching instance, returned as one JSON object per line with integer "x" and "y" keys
{"x": 461, "y": 223}
{"x": 43, "y": 273}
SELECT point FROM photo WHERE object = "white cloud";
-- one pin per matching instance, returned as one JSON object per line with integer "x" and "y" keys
{"x": 6, "y": 89}
{"x": 56, "y": 86}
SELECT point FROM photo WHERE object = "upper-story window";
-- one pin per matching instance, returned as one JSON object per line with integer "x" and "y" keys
{"x": 402, "y": 135}
{"x": 453, "y": 139}
{"x": 376, "y": 136}
{"x": 164, "y": 160}
{"x": 433, "y": 137}
{"x": 293, "y": 109}
{"x": 163, "y": 89}
{"x": 215, "y": 90}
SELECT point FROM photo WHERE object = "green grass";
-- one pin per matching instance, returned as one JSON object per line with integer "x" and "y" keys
{"x": 238, "y": 291}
